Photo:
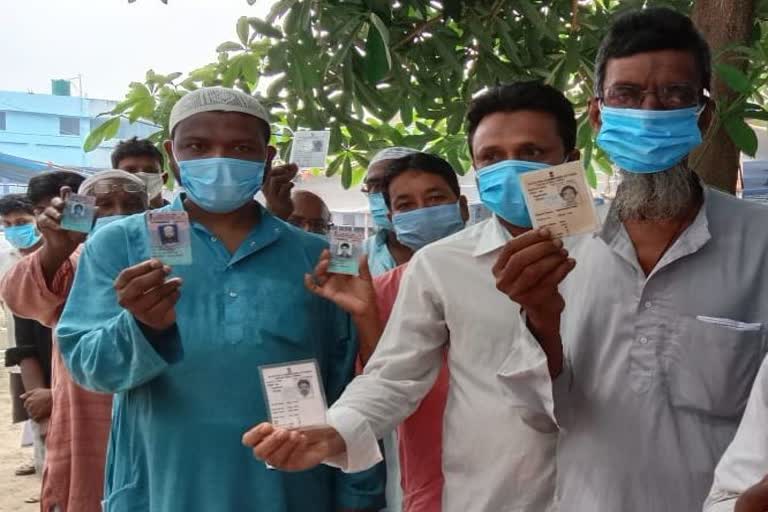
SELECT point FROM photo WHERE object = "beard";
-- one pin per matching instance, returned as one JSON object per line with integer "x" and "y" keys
{"x": 665, "y": 195}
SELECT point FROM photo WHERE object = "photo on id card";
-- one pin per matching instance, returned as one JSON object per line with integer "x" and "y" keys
{"x": 346, "y": 246}
{"x": 559, "y": 199}
{"x": 169, "y": 237}
{"x": 79, "y": 212}
{"x": 294, "y": 394}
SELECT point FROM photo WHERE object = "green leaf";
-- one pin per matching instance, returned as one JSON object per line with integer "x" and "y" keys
{"x": 249, "y": 68}
{"x": 103, "y": 132}
{"x": 265, "y": 29}
{"x": 741, "y": 134}
{"x": 243, "y": 29}
{"x": 448, "y": 54}
{"x": 377, "y": 61}
{"x": 533, "y": 15}
{"x": 173, "y": 76}
{"x": 760, "y": 114}
{"x": 346, "y": 173}
{"x": 406, "y": 114}
{"x": 229, "y": 46}
{"x": 734, "y": 78}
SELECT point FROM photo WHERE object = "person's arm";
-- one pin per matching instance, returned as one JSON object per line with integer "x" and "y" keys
{"x": 109, "y": 348}
{"x": 738, "y": 485}
{"x": 354, "y": 491}
{"x": 401, "y": 372}
{"x": 369, "y": 330}
{"x": 26, "y": 354}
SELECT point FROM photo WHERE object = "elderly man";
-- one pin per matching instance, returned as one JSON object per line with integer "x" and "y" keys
{"x": 37, "y": 287}
{"x": 181, "y": 346}
{"x": 310, "y": 213}
{"x": 663, "y": 328}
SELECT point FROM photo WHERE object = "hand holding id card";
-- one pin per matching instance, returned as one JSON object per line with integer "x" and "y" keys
{"x": 169, "y": 237}
{"x": 79, "y": 212}
{"x": 346, "y": 248}
{"x": 559, "y": 199}
{"x": 294, "y": 394}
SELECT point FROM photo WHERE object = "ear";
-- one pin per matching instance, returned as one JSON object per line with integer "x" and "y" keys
{"x": 168, "y": 145}
{"x": 464, "y": 207}
{"x": 706, "y": 116}
{"x": 573, "y": 156}
{"x": 594, "y": 114}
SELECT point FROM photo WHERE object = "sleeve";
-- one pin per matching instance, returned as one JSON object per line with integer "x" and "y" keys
{"x": 24, "y": 290}
{"x": 103, "y": 346}
{"x": 745, "y": 461}
{"x": 365, "y": 489}
{"x": 401, "y": 372}
{"x": 26, "y": 343}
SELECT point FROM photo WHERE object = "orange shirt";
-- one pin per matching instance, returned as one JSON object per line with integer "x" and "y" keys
{"x": 421, "y": 435}
{"x": 78, "y": 431}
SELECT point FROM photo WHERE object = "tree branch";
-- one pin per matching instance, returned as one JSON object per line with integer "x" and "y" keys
{"x": 416, "y": 32}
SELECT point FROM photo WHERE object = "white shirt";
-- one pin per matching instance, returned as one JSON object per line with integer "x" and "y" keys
{"x": 745, "y": 462}
{"x": 493, "y": 461}
{"x": 8, "y": 257}
{"x": 661, "y": 365}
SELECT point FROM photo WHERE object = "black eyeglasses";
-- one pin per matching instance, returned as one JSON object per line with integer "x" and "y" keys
{"x": 671, "y": 97}
{"x": 318, "y": 226}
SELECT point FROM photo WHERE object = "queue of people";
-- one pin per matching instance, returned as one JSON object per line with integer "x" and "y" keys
{"x": 503, "y": 368}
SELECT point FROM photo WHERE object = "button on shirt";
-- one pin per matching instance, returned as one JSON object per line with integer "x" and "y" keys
{"x": 184, "y": 400}
{"x": 493, "y": 460}
{"x": 660, "y": 366}
{"x": 745, "y": 462}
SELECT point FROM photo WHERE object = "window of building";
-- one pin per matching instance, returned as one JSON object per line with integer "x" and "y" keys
{"x": 2, "y": 120}
{"x": 69, "y": 126}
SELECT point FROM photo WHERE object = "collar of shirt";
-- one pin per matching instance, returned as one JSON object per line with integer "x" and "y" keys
{"x": 693, "y": 238}
{"x": 493, "y": 237}
{"x": 266, "y": 232}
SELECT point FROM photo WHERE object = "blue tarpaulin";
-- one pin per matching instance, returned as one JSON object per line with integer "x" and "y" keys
{"x": 17, "y": 170}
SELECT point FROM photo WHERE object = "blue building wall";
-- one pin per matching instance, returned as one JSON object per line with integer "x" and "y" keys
{"x": 32, "y": 128}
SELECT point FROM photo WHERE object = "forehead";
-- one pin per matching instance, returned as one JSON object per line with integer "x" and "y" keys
{"x": 226, "y": 126}
{"x": 139, "y": 161}
{"x": 307, "y": 206}
{"x": 659, "y": 67}
{"x": 377, "y": 171}
{"x": 511, "y": 129}
{"x": 414, "y": 181}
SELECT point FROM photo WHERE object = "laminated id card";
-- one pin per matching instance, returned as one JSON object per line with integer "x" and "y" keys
{"x": 310, "y": 149}
{"x": 294, "y": 394}
{"x": 169, "y": 237}
{"x": 559, "y": 199}
{"x": 346, "y": 246}
{"x": 78, "y": 214}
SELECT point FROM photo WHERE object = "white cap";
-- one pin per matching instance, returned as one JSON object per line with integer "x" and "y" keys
{"x": 216, "y": 99}
{"x": 112, "y": 174}
{"x": 391, "y": 154}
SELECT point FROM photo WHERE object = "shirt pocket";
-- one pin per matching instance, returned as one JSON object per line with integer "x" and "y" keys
{"x": 713, "y": 365}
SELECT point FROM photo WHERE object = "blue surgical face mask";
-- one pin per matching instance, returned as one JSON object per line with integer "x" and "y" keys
{"x": 648, "y": 141}
{"x": 417, "y": 228}
{"x": 103, "y": 221}
{"x": 23, "y": 236}
{"x": 499, "y": 188}
{"x": 221, "y": 185}
{"x": 379, "y": 210}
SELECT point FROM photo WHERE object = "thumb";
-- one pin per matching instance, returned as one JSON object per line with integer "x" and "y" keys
{"x": 364, "y": 271}
{"x": 26, "y": 395}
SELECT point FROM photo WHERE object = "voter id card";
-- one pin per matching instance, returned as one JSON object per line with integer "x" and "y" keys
{"x": 169, "y": 237}
{"x": 346, "y": 248}
{"x": 294, "y": 394}
{"x": 559, "y": 199}
{"x": 79, "y": 212}
{"x": 309, "y": 149}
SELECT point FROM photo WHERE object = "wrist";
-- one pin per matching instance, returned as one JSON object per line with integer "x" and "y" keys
{"x": 335, "y": 443}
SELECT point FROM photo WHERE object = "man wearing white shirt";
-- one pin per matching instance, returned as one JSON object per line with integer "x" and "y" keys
{"x": 665, "y": 312}
{"x": 498, "y": 453}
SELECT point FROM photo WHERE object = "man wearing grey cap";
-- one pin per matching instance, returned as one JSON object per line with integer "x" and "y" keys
{"x": 181, "y": 346}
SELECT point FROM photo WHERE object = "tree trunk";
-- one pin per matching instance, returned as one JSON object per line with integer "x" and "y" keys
{"x": 723, "y": 23}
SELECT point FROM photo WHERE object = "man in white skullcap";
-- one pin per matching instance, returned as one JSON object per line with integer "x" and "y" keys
{"x": 36, "y": 288}
{"x": 181, "y": 347}
{"x": 383, "y": 249}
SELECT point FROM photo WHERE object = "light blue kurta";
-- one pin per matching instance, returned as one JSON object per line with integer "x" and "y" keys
{"x": 184, "y": 401}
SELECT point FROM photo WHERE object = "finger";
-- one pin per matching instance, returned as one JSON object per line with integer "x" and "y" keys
{"x": 135, "y": 271}
{"x": 530, "y": 276}
{"x": 285, "y": 188}
{"x": 51, "y": 212}
{"x": 547, "y": 287}
{"x": 151, "y": 299}
{"x": 518, "y": 244}
{"x": 257, "y": 434}
{"x": 281, "y": 457}
{"x": 140, "y": 285}
{"x": 560, "y": 273}
{"x": 64, "y": 192}
{"x": 24, "y": 396}
{"x": 265, "y": 449}
{"x": 520, "y": 261}
{"x": 164, "y": 306}
{"x": 310, "y": 284}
